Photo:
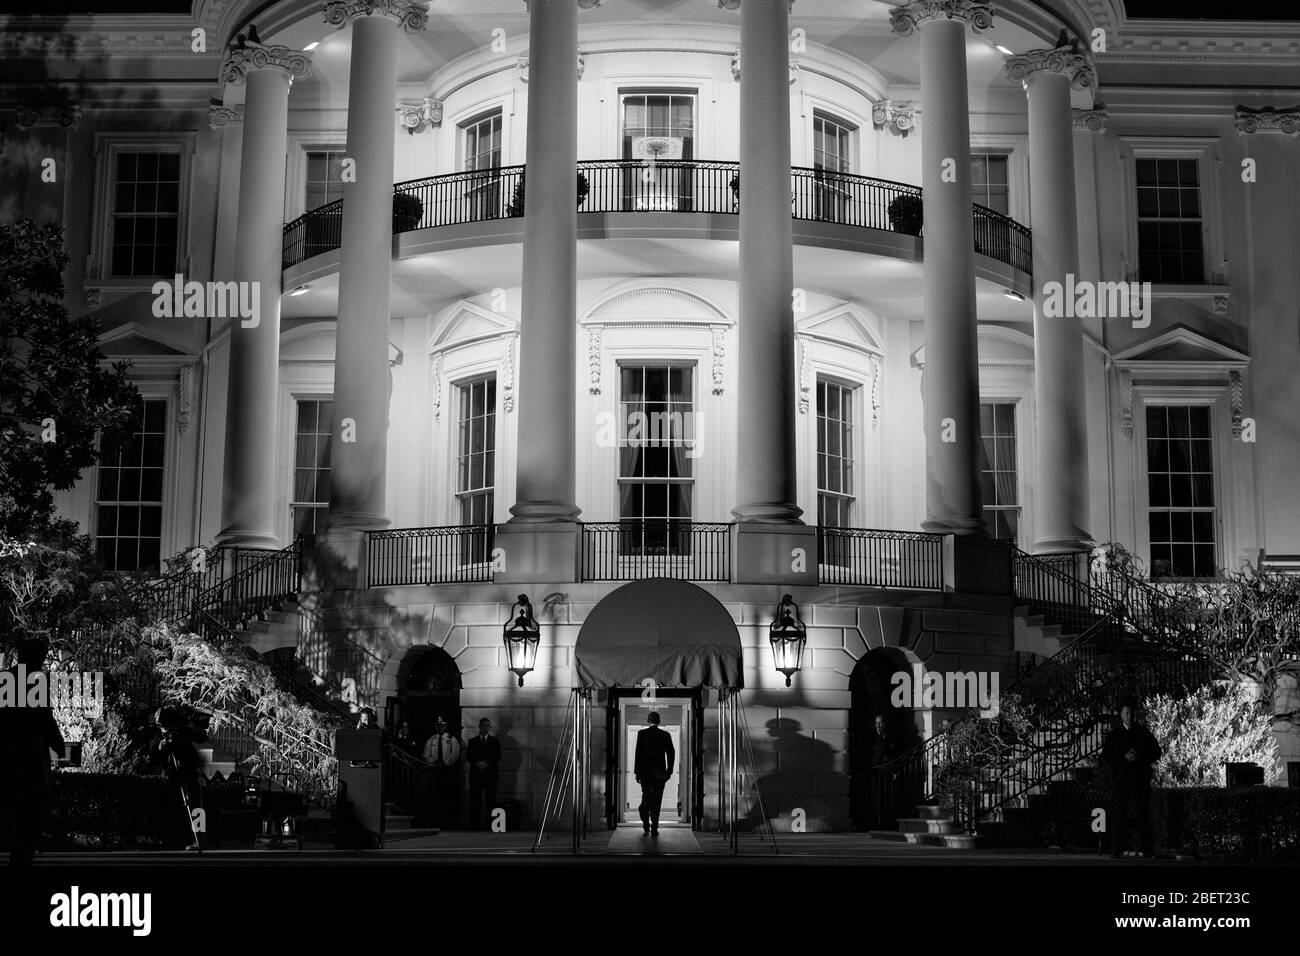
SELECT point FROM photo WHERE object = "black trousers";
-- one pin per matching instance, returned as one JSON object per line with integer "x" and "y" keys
{"x": 482, "y": 790}
{"x": 1137, "y": 792}
{"x": 652, "y": 798}
{"x": 446, "y": 795}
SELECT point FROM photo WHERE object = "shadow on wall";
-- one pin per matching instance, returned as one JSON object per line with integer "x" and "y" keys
{"x": 797, "y": 781}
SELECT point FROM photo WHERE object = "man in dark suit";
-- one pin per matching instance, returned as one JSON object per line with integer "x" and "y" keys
{"x": 653, "y": 767}
{"x": 27, "y": 735}
{"x": 1130, "y": 750}
{"x": 484, "y": 756}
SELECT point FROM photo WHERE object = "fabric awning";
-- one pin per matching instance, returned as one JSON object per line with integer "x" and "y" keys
{"x": 669, "y": 630}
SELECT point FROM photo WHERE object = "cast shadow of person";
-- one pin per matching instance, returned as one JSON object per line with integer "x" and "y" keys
{"x": 796, "y": 772}
{"x": 512, "y": 759}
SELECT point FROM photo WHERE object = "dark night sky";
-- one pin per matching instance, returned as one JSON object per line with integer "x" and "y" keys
{"x": 1192, "y": 9}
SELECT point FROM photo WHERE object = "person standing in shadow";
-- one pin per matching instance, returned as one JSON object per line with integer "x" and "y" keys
{"x": 27, "y": 735}
{"x": 1130, "y": 750}
{"x": 483, "y": 754}
{"x": 654, "y": 765}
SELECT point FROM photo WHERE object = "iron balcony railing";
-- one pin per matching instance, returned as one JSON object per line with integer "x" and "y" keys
{"x": 886, "y": 559}
{"x": 681, "y": 186}
{"x": 443, "y": 555}
{"x": 632, "y": 550}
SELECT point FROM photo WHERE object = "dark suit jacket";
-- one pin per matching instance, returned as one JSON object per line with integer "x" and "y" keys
{"x": 654, "y": 755}
{"x": 1136, "y": 738}
{"x": 27, "y": 734}
{"x": 488, "y": 750}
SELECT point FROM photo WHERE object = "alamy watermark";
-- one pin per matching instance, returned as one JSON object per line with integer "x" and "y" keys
{"x": 1098, "y": 300}
{"x": 177, "y": 299}
{"x": 82, "y": 691}
{"x": 958, "y": 690}
{"x": 672, "y": 429}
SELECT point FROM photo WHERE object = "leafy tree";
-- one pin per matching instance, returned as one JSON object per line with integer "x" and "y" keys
{"x": 56, "y": 394}
{"x": 1219, "y": 723}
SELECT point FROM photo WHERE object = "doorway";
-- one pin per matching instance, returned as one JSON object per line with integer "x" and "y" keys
{"x": 681, "y": 714}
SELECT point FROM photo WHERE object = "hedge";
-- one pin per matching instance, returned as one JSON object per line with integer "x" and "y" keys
{"x": 1229, "y": 825}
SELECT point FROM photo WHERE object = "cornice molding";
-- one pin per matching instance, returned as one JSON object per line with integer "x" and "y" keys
{"x": 411, "y": 17}
{"x": 904, "y": 20}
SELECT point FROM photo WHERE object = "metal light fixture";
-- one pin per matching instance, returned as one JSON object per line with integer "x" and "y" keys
{"x": 788, "y": 636}
{"x": 1013, "y": 295}
{"x": 301, "y": 290}
{"x": 522, "y": 634}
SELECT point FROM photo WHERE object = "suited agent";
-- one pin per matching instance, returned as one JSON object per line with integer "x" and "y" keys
{"x": 442, "y": 752}
{"x": 29, "y": 742}
{"x": 1130, "y": 750}
{"x": 483, "y": 755}
{"x": 653, "y": 767}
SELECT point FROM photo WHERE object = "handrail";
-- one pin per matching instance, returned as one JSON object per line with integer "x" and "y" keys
{"x": 409, "y": 783}
{"x": 879, "y": 558}
{"x": 437, "y": 555}
{"x": 645, "y": 548}
{"x": 227, "y": 604}
{"x": 681, "y": 186}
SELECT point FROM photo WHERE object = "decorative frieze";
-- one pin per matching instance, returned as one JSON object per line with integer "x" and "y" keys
{"x": 1065, "y": 60}
{"x": 419, "y": 115}
{"x": 411, "y": 16}
{"x": 220, "y": 116}
{"x": 593, "y": 359}
{"x": 1248, "y": 120}
{"x": 905, "y": 19}
{"x": 1126, "y": 402}
{"x": 1094, "y": 119}
{"x": 719, "y": 356}
{"x": 184, "y": 398}
{"x": 65, "y": 115}
{"x": 241, "y": 61}
{"x": 897, "y": 117}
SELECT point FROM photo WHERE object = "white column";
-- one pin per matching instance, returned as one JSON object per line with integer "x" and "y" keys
{"x": 248, "y": 497}
{"x": 1061, "y": 477}
{"x": 358, "y": 452}
{"x": 765, "y": 442}
{"x": 545, "y": 474}
{"x": 951, "y": 378}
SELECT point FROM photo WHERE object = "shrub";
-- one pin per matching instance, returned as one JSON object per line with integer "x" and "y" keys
{"x": 1238, "y": 825}
{"x": 905, "y": 214}
{"x": 1219, "y": 723}
{"x": 92, "y": 811}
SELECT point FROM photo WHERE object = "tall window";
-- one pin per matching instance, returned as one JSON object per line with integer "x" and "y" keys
{"x": 146, "y": 213}
{"x": 311, "y": 465}
{"x": 832, "y": 142}
{"x": 324, "y": 177}
{"x": 998, "y": 478}
{"x": 129, "y": 495}
{"x": 476, "y": 452}
{"x": 1170, "y": 241}
{"x": 834, "y": 455}
{"x": 655, "y": 473}
{"x": 665, "y": 121}
{"x": 989, "y": 185}
{"x": 481, "y": 147}
{"x": 1180, "y": 482}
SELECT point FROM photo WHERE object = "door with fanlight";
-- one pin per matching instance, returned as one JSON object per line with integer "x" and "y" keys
{"x": 658, "y": 129}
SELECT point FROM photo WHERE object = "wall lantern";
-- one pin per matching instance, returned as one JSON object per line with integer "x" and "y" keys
{"x": 788, "y": 636}
{"x": 522, "y": 635}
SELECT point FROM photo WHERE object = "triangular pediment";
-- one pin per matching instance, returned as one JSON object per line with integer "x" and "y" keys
{"x": 135, "y": 340}
{"x": 1179, "y": 346}
{"x": 845, "y": 324}
{"x": 467, "y": 322}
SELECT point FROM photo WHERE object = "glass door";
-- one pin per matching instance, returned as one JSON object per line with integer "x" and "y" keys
{"x": 658, "y": 146}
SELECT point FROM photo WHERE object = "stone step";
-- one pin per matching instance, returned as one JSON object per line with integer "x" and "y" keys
{"x": 932, "y": 811}
{"x": 923, "y": 825}
{"x": 957, "y": 841}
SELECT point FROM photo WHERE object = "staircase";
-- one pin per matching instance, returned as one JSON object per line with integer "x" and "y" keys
{"x": 1099, "y": 650}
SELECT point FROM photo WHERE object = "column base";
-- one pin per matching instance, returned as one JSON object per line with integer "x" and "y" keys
{"x": 1071, "y": 542}
{"x": 769, "y": 512}
{"x": 976, "y": 564}
{"x": 543, "y": 512}
{"x": 955, "y": 524}
{"x": 240, "y": 538}
{"x": 356, "y": 521}
{"x": 336, "y": 561}
{"x": 537, "y": 552}
{"x": 774, "y": 554}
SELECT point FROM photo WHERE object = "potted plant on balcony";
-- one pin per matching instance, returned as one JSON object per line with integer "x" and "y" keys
{"x": 407, "y": 210}
{"x": 516, "y": 204}
{"x": 905, "y": 214}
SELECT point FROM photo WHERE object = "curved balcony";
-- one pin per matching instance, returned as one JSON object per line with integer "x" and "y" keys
{"x": 678, "y": 186}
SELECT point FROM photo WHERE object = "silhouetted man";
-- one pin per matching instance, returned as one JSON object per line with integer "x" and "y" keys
{"x": 403, "y": 740}
{"x": 1130, "y": 750}
{"x": 483, "y": 754}
{"x": 884, "y": 804}
{"x": 653, "y": 767}
{"x": 27, "y": 735}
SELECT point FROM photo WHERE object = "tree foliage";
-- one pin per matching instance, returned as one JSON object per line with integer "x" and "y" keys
{"x": 1222, "y": 722}
{"x": 56, "y": 392}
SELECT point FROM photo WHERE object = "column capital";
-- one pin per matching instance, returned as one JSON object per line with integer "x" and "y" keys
{"x": 1094, "y": 119}
{"x": 411, "y": 16}
{"x": 735, "y": 5}
{"x": 905, "y": 19}
{"x": 898, "y": 117}
{"x": 419, "y": 115}
{"x": 220, "y": 116}
{"x": 251, "y": 56}
{"x": 1286, "y": 120}
{"x": 1066, "y": 60}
